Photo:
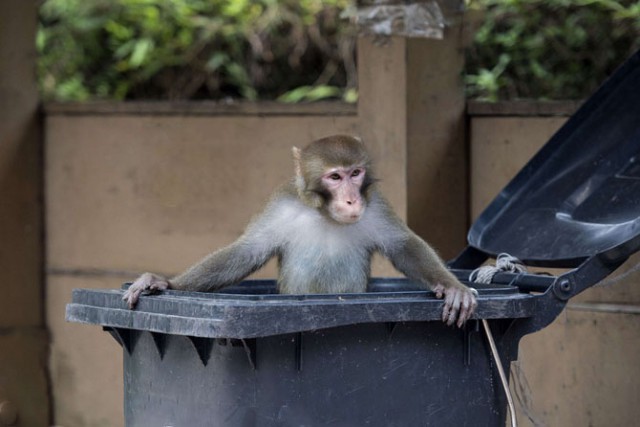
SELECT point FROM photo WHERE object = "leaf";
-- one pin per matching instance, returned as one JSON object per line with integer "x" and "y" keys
{"x": 350, "y": 96}
{"x": 323, "y": 92}
{"x": 294, "y": 96}
{"x": 216, "y": 61}
{"x": 141, "y": 50}
{"x": 310, "y": 93}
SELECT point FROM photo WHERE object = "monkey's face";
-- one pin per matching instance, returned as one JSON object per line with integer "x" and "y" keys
{"x": 333, "y": 175}
{"x": 343, "y": 186}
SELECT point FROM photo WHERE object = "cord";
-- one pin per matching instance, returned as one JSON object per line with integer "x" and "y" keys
{"x": 504, "y": 262}
{"x": 501, "y": 373}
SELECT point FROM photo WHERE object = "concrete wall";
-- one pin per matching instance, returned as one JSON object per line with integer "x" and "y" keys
{"x": 23, "y": 339}
{"x": 583, "y": 369}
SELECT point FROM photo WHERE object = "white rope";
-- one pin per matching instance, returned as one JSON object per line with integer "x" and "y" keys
{"x": 504, "y": 263}
{"x": 484, "y": 274}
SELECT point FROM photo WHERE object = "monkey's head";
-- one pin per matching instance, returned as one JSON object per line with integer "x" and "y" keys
{"x": 333, "y": 175}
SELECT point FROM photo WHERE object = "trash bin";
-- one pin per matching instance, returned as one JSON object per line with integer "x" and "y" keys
{"x": 247, "y": 356}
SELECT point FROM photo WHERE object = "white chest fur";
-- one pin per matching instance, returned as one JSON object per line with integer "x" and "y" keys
{"x": 320, "y": 255}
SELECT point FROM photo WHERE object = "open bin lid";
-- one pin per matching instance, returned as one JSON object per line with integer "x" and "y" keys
{"x": 579, "y": 196}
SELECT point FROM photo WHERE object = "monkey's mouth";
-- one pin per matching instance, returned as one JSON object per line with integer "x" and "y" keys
{"x": 347, "y": 218}
{"x": 351, "y": 219}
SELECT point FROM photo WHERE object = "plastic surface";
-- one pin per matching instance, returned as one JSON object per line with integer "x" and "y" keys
{"x": 248, "y": 356}
{"x": 254, "y": 309}
{"x": 580, "y": 195}
{"x": 412, "y": 18}
{"x": 375, "y": 374}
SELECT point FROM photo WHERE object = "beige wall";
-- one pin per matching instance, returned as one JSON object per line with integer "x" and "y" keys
{"x": 23, "y": 339}
{"x": 131, "y": 193}
{"x": 582, "y": 369}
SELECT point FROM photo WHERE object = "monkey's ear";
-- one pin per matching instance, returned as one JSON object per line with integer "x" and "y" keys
{"x": 296, "y": 161}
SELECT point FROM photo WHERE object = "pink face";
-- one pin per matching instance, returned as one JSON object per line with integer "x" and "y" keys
{"x": 344, "y": 184}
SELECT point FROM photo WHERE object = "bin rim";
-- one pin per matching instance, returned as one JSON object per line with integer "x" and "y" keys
{"x": 242, "y": 312}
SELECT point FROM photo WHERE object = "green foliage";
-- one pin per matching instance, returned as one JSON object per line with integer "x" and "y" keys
{"x": 300, "y": 50}
{"x": 194, "y": 49}
{"x": 310, "y": 93}
{"x": 553, "y": 49}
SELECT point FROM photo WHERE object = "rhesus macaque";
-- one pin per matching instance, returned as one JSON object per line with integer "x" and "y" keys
{"x": 323, "y": 226}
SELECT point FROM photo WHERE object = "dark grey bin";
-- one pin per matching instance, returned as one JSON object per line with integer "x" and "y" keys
{"x": 250, "y": 357}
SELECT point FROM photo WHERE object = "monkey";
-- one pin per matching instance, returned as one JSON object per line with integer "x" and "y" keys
{"x": 323, "y": 226}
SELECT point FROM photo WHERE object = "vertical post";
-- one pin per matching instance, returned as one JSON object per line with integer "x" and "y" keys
{"x": 412, "y": 112}
{"x": 382, "y": 112}
{"x": 437, "y": 180}
{"x": 23, "y": 340}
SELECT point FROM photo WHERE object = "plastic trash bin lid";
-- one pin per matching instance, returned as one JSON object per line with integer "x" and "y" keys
{"x": 579, "y": 196}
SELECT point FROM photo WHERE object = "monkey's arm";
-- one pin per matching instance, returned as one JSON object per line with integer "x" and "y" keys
{"x": 418, "y": 261}
{"x": 224, "y": 267}
{"x": 413, "y": 257}
{"x": 221, "y": 268}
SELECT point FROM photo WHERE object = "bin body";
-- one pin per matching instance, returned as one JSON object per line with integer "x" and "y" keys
{"x": 250, "y": 357}
{"x": 376, "y": 374}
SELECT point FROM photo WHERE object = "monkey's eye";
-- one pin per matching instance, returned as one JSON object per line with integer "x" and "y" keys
{"x": 334, "y": 176}
{"x": 356, "y": 173}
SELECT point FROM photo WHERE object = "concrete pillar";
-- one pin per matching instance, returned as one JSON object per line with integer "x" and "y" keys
{"x": 23, "y": 340}
{"x": 412, "y": 106}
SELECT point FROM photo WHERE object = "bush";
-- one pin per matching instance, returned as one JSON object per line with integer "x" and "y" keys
{"x": 549, "y": 49}
{"x": 297, "y": 50}
{"x": 194, "y": 49}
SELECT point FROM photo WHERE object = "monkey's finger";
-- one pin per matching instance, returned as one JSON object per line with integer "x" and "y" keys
{"x": 158, "y": 286}
{"x": 445, "y": 313}
{"x": 131, "y": 301}
{"x": 455, "y": 307}
{"x": 448, "y": 311}
{"x": 453, "y": 314}
{"x": 447, "y": 307}
{"x": 133, "y": 296}
{"x": 469, "y": 304}
{"x": 439, "y": 291}
{"x": 474, "y": 299}
{"x": 465, "y": 312}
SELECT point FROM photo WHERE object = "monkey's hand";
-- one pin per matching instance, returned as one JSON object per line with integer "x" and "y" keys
{"x": 145, "y": 284}
{"x": 459, "y": 303}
